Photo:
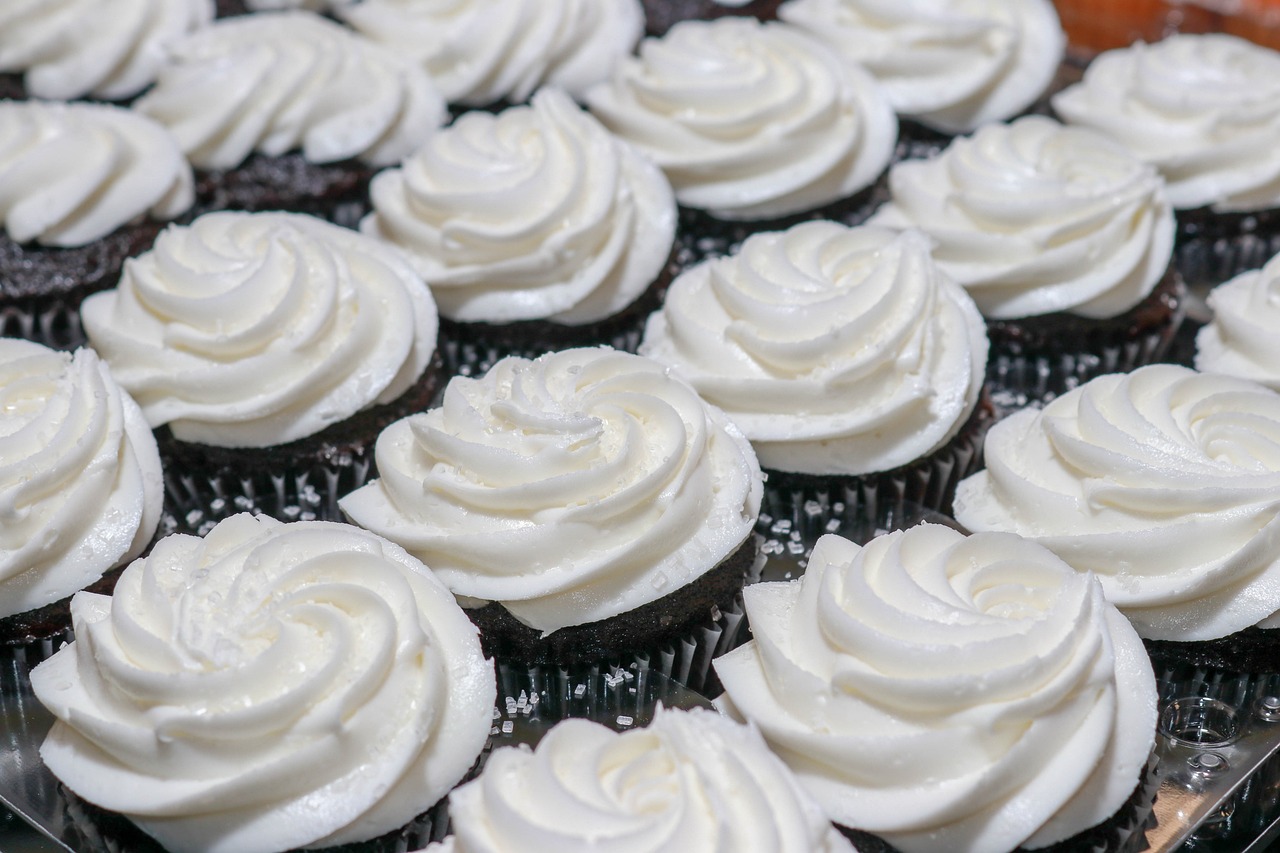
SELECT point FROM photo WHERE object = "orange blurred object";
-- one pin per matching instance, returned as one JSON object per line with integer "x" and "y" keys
{"x": 1097, "y": 25}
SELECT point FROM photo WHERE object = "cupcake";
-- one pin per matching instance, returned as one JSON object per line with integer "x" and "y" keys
{"x": 290, "y": 111}
{"x": 268, "y": 349}
{"x": 81, "y": 486}
{"x": 849, "y": 360}
{"x": 946, "y": 68}
{"x": 107, "y": 50}
{"x": 266, "y": 687}
{"x": 1062, "y": 238}
{"x": 1165, "y": 483}
{"x": 585, "y": 506}
{"x": 951, "y": 693}
{"x": 486, "y": 52}
{"x": 536, "y": 229}
{"x": 82, "y": 188}
{"x": 690, "y": 780}
{"x": 1243, "y": 336}
{"x": 1204, "y": 110}
{"x": 756, "y": 125}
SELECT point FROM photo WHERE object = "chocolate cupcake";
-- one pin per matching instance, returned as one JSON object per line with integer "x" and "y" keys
{"x": 82, "y": 188}
{"x": 81, "y": 486}
{"x": 290, "y": 111}
{"x": 536, "y": 229}
{"x": 757, "y": 126}
{"x": 483, "y": 53}
{"x": 1063, "y": 239}
{"x": 946, "y": 68}
{"x": 850, "y": 361}
{"x": 266, "y": 687}
{"x": 268, "y": 349}
{"x": 1204, "y": 110}
{"x": 950, "y": 693}
{"x": 585, "y": 506}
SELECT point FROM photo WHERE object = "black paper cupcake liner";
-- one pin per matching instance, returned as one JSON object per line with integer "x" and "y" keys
{"x": 1212, "y": 248}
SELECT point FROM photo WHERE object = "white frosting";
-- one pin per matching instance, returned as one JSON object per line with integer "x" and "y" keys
{"x": 949, "y": 64}
{"x": 1034, "y": 217}
{"x": 273, "y": 82}
{"x": 71, "y": 174}
{"x": 1243, "y": 337}
{"x": 1164, "y": 482}
{"x": 750, "y": 120}
{"x": 70, "y": 49}
{"x": 481, "y": 51}
{"x": 691, "y": 780}
{"x": 836, "y": 350}
{"x": 255, "y": 329}
{"x": 571, "y": 488}
{"x": 948, "y": 693}
{"x": 80, "y": 480}
{"x": 267, "y": 687}
{"x": 1203, "y": 109}
{"x": 536, "y": 213}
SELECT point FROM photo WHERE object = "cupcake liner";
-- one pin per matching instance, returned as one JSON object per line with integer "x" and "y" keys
{"x": 1212, "y": 248}
{"x": 1253, "y": 651}
{"x": 338, "y": 192}
{"x": 34, "y": 635}
{"x": 662, "y": 15}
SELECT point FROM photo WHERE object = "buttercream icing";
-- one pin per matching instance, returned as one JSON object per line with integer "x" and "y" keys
{"x": 1242, "y": 337}
{"x": 71, "y": 174}
{"x": 1203, "y": 109}
{"x": 1164, "y": 482}
{"x": 952, "y": 65}
{"x": 535, "y": 213}
{"x": 749, "y": 120}
{"x": 570, "y": 488}
{"x": 836, "y": 350}
{"x": 948, "y": 693}
{"x": 256, "y": 329}
{"x": 1034, "y": 217}
{"x": 80, "y": 480}
{"x": 266, "y": 687}
{"x": 273, "y": 82}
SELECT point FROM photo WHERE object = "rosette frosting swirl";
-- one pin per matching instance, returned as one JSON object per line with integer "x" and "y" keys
{"x": 269, "y": 686}
{"x": 952, "y": 65}
{"x": 273, "y": 82}
{"x": 478, "y": 52}
{"x": 749, "y": 120}
{"x": 691, "y": 780}
{"x": 89, "y": 48}
{"x": 1203, "y": 109}
{"x": 71, "y": 174}
{"x": 256, "y": 329}
{"x": 80, "y": 480}
{"x": 1163, "y": 482}
{"x": 836, "y": 350}
{"x": 535, "y": 213}
{"x": 948, "y": 693}
{"x": 1243, "y": 337}
{"x": 571, "y": 488}
{"x": 1034, "y": 217}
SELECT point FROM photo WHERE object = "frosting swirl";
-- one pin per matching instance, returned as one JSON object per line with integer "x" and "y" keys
{"x": 1243, "y": 338}
{"x": 952, "y": 65}
{"x": 1203, "y": 109}
{"x": 571, "y": 488}
{"x": 749, "y": 120}
{"x": 481, "y": 51}
{"x": 87, "y": 48}
{"x": 273, "y": 82}
{"x": 1033, "y": 218}
{"x": 948, "y": 693}
{"x": 836, "y": 350}
{"x": 71, "y": 174}
{"x": 536, "y": 213}
{"x": 691, "y": 780}
{"x": 80, "y": 479}
{"x": 267, "y": 687}
{"x": 256, "y": 329}
{"x": 1163, "y": 482}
